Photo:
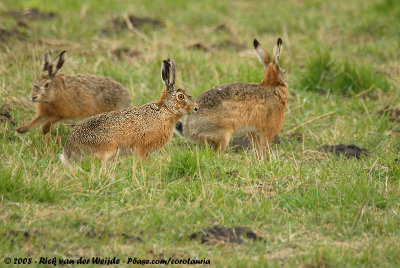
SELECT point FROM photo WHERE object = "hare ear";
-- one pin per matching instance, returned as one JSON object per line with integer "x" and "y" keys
{"x": 168, "y": 72}
{"x": 47, "y": 62}
{"x": 262, "y": 54}
{"x": 277, "y": 52}
{"x": 60, "y": 61}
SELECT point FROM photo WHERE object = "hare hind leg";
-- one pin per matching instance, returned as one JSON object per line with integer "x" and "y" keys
{"x": 221, "y": 141}
{"x": 107, "y": 150}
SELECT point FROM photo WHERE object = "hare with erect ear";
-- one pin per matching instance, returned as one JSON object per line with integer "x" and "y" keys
{"x": 62, "y": 97}
{"x": 143, "y": 128}
{"x": 255, "y": 108}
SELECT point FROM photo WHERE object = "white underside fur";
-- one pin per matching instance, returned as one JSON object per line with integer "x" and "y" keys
{"x": 68, "y": 163}
{"x": 63, "y": 159}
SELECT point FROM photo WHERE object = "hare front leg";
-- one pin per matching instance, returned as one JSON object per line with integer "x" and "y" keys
{"x": 47, "y": 125}
{"x": 38, "y": 120}
{"x": 265, "y": 145}
{"x": 141, "y": 154}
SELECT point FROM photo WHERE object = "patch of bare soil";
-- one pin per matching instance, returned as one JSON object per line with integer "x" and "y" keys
{"x": 223, "y": 28}
{"x": 198, "y": 46}
{"x": 139, "y": 22}
{"x": 299, "y": 137}
{"x": 121, "y": 52}
{"x": 22, "y": 18}
{"x": 30, "y": 14}
{"x": 91, "y": 233}
{"x": 17, "y": 234}
{"x": 241, "y": 143}
{"x": 118, "y": 24}
{"x": 5, "y": 115}
{"x": 232, "y": 41}
{"x": 244, "y": 143}
{"x": 230, "y": 173}
{"x": 6, "y": 34}
{"x": 392, "y": 113}
{"x": 348, "y": 151}
{"x": 224, "y": 234}
{"x": 228, "y": 44}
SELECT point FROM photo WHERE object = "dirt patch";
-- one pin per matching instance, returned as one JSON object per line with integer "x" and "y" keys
{"x": 6, "y": 34}
{"x": 230, "y": 173}
{"x": 243, "y": 142}
{"x": 131, "y": 238}
{"x": 91, "y": 233}
{"x": 103, "y": 235}
{"x": 198, "y": 46}
{"x": 222, "y": 28}
{"x": 25, "y": 235}
{"x": 61, "y": 43}
{"x": 30, "y": 14}
{"x": 5, "y": 115}
{"x": 299, "y": 137}
{"x": 118, "y": 24}
{"x": 392, "y": 113}
{"x": 139, "y": 22}
{"x": 225, "y": 234}
{"x": 229, "y": 44}
{"x": 348, "y": 151}
{"x": 125, "y": 52}
{"x": 231, "y": 40}
{"x": 240, "y": 144}
{"x": 22, "y": 23}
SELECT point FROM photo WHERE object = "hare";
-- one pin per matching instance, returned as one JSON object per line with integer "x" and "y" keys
{"x": 62, "y": 97}
{"x": 143, "y": 128}
{"x": 255, "y": 108}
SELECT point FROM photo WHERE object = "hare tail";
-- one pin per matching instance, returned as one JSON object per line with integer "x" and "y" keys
{"x": 64, "y": 160}
{"x": 68, "y": 163}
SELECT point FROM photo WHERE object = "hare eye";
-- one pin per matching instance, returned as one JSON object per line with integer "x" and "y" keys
{"x": 181, "y": 96}
{"x": 46, "y": 85}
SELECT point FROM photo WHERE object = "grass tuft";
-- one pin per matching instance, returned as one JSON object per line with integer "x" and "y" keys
{"x": 324, "y": 74}
{"x": 14, "y": 188}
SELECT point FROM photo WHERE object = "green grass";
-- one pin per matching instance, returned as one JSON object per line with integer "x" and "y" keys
{"x": 313, "y": 209}
{"x": 324, "y": 74}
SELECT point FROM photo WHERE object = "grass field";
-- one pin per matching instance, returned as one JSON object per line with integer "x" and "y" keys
{"x": 311, "y": 208}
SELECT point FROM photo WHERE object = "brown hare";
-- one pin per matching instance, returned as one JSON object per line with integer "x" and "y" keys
{"x": 143, "y": 128}
{"x": 255, "y": 108}
{"x": 62, "y": 97}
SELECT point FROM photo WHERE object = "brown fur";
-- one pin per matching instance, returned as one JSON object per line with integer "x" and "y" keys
{"x": 258, "y": 109}
{"x": 73, "y": 97}
{"x": 144, "y": 128}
